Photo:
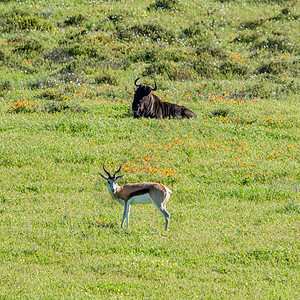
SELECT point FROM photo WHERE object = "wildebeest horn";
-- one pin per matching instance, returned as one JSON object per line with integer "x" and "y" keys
{"x": 155, "y": 88}
{"x": 136, "y": 81}
{"x": 106, "y": 172}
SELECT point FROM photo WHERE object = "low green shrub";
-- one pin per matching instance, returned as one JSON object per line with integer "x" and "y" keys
{"x": 106, "y": 76}
{"x": 165, "y": 4}
{"x": 62, "y": 106}
{"x": 116, "y": 17}
{"x": 22, "y": 107}
{"x": 276, "y": 43}
{"x": 47, "y": 13}
{"x": 151, "y": 53}
{"x": 80, "y": 49}
{"x": 5, "y": 87}
{"x": 70, "y": 73}
{"x": 220, "y": 112}
{"x": 159, "y": 68}
{"x": 2, "y": 55}
{"x": 246, "y": 37}
{"x": 51, "y": 94}
{"x": 206, "y": 66}
{"x": 152, "y": 30}
{"x": 171, "y": 70}
{"x": 76, "y": 19}
{"x": 234, "y": 68}
{"x": 58, "y": 55}
{"x": 277, "y": 67}
{"x": 195, "y": 29}
{"x": 101, "y": 38}
{"x": 29, "y": 44}
{"x": 212, "y": 50}
{"x": 21, "y": 19}
{"x": 43, "y": 83}
{"x": 258, "y": 90}
{"x": 253, "y": 24}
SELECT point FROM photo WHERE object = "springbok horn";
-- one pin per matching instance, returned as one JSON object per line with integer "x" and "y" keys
{"x": 106, "y": 171}
{"x": 135, "y": 82}
{"x": 155, "y": 88}
{"x": 118, "y": 171}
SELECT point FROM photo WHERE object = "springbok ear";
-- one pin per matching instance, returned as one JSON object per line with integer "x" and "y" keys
{"x": 118, "y": 177}
{"x": 103, "y": 176}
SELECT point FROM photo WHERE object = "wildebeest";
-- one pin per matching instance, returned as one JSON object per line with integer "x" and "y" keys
{"x": 146, "y": 104}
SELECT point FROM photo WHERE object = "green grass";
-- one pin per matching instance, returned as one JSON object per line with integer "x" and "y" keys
{"x": 66, "y": 88}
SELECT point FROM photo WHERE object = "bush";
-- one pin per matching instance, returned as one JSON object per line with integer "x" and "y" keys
{"x": 77, "y": 19}
{"x": 247, "y": 37}
{"x": 276, "y": 43}
{"x": 277, "y": 67}
{"x": 107, "y": 76}
{"x": 51, "y": 94}
{"x": 182, "y": 71}
{"x": 221, "y": 112}
{"x": 5, "y": 87}
{"x": 212, "y": 50}
{"x": 84, "y": 48}
{"x": 18, "y": 19}
{"x": 2, "y": 55}
{"x": 62, "y": 106}
{"x": 158, "y": 68}
{"x": 232, "y": 68}
{"x": 252, "y": 24}
{"x": 58, "y": 56}
{"x": 171, "y": 70}
{"x": 69, "y": 74}
{"x": 42, "y": 83}
{"x": 150, "y": 30}
{"x": 165, "y": 4}
{"x": 101, "y": 38}
{"x": 198, "y": 34}
{"x": 206, "y": 66}
{"x": 22, "y": 106}
{"x": 258, "y": 90}
{"x": 47, "y": 13}
{"x": 116, "y": 17}
{"x": 71, "y": 77}
{"x": 28, "y": 45}
{"x": 152, "y": 53}
{"x": 196, "y": 29}
{"x": 78, "y": 49}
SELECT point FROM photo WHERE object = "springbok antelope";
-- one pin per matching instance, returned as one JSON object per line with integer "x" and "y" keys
{"x": 143, "y": 193}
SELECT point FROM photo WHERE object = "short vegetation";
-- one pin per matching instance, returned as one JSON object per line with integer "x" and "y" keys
{"x": 67, "y": 70}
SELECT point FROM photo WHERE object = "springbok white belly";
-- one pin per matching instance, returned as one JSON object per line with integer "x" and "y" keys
{"x": 141, "y": 199}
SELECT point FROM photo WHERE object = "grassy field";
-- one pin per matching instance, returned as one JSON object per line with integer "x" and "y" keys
{"x": 66, "y": 87}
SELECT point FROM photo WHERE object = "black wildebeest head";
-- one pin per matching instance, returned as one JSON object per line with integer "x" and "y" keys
{"x": 144, "y": 89}
{"x": 142, "y": 93}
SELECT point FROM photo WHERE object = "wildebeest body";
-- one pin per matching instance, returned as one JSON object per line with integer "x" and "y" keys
{"x": 148, "y": 105}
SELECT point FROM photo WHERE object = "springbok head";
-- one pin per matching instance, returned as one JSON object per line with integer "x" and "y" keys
{"x": 112, "y": 179}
